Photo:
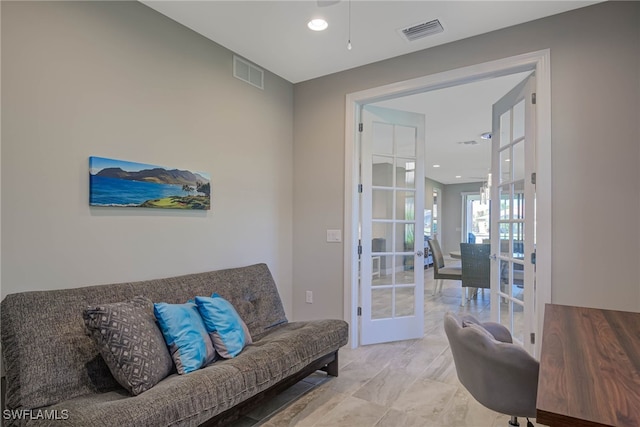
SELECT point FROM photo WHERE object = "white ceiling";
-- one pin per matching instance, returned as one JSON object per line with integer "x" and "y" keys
{"x": 455, "y": 115}
{"x": 274, "y": 35}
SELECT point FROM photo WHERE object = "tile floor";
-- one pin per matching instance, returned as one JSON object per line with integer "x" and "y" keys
{"x": 406, "y": 383}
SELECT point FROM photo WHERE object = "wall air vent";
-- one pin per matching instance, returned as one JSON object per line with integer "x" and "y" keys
{"x": 418, "y": 31}
{"x": 248, "y": 72}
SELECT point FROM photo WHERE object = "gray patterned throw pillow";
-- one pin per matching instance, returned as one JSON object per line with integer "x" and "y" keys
{"x": 130, "y": 342}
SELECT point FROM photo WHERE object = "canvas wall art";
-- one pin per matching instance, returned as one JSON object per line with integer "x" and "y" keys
{"x": 129, "y": 184}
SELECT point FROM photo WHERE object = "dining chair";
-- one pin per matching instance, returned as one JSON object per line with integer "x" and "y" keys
{"x": 476, "y": 268}
{"x": 500, "y": 375}
{"x": 518, "y": 269}
{"x": 440, "y": 271}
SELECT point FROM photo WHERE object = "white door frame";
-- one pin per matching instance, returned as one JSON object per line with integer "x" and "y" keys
{"x": 538, "y": 61}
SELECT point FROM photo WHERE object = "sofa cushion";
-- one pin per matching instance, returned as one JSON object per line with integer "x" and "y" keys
{"x": 287, "y": 350}
{"x": 48, "y": 355}
{"x": 251, "y": 290}
{"x": 186, "y": 336}
{"x": 178, "y": 400}
{"x": 228, "y": 332}
{"x": 190, "y": 400}
{"x": 130, "y": 342}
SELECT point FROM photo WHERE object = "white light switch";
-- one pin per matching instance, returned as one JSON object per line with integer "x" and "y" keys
{"x": 334, "y": 236}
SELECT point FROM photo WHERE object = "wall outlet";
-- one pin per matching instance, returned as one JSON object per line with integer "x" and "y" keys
{"x": 309, "y": 297}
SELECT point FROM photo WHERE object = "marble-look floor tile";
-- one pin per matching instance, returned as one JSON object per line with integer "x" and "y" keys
{"x": 418, "y": 357}
{"x": 395, "y": 418}
{"x": 353, "y": 376}
{"x": 353, "y": 412}
{"x": 317, "y": 378}
{"x": 426, "y": 399}
{"x": 464, "y": 411}
{"x": 385, "y": 387}
{"x": 309, "y": 409}
{"x": 442, "y": 369}
{"x": 281, "y": 400}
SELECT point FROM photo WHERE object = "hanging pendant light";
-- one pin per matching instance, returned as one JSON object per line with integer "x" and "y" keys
{"x": 349, "y": 40}
{"x": 485, "y": 190}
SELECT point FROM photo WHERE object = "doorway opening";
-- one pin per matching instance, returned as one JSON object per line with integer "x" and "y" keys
{"x": 475, "y": 218}
{"x": 536, "y": 61}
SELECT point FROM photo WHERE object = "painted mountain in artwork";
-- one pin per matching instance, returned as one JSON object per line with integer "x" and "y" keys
{"x": 157, "y": 175}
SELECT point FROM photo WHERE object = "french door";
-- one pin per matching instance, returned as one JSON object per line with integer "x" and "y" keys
{"x": 391, "y": 225}
{"x": 513, "y": 210}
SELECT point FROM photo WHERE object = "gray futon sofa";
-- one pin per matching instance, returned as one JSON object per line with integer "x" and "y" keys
{"x": 56, "y": 376}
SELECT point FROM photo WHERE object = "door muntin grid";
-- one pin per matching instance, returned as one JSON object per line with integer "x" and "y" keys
{"x": 511, "y": 220}
{"x": 393, "y": 220}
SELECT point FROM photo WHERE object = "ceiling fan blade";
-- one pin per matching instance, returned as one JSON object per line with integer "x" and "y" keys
{"x": 325, "y": 3}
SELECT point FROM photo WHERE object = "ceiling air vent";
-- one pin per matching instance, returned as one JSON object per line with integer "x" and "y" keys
{"x": 248, "y": 72}
{"x": 421, "y": 30}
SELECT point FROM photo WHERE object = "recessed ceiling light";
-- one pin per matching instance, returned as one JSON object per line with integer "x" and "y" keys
{"x": 317, "y": 24}
{"x": 458, "y": 176}
{"x": 436, "y": 166}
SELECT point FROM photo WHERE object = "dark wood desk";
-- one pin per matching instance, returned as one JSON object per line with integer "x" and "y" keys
{"x": 589, "y": 368}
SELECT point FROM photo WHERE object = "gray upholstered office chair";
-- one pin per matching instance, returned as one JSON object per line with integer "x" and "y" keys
{"x": 499, "y": 374}
{"x": 440, "y": 272}
{"x": 476, "y": 268}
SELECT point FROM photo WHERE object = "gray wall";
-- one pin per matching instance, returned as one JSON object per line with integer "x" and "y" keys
{"x": 595, "y": 78}
{"x": 117, "y": 79}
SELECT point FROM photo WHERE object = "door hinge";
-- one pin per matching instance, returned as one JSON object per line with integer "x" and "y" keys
{"x": 533, "y": 178}
{"x": 359, "y": 188}
{"x": 360, "y": 127}
{"x": 359, "y": 249}
{"x": 359, "y": 311}
{"x": 533, "y": 337}
{"x": 533, "y": 258}
{"x": 533, "y": 98}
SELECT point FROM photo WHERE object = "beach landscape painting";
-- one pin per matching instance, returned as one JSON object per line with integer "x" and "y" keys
{"x": 129, "y": 184}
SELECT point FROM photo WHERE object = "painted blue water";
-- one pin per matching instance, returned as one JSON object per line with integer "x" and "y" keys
{"x": 105, "y": 191}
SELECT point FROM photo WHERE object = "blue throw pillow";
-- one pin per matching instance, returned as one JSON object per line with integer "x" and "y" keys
{"x": 185, "y": 335}
{"x": 226, "y": 329}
